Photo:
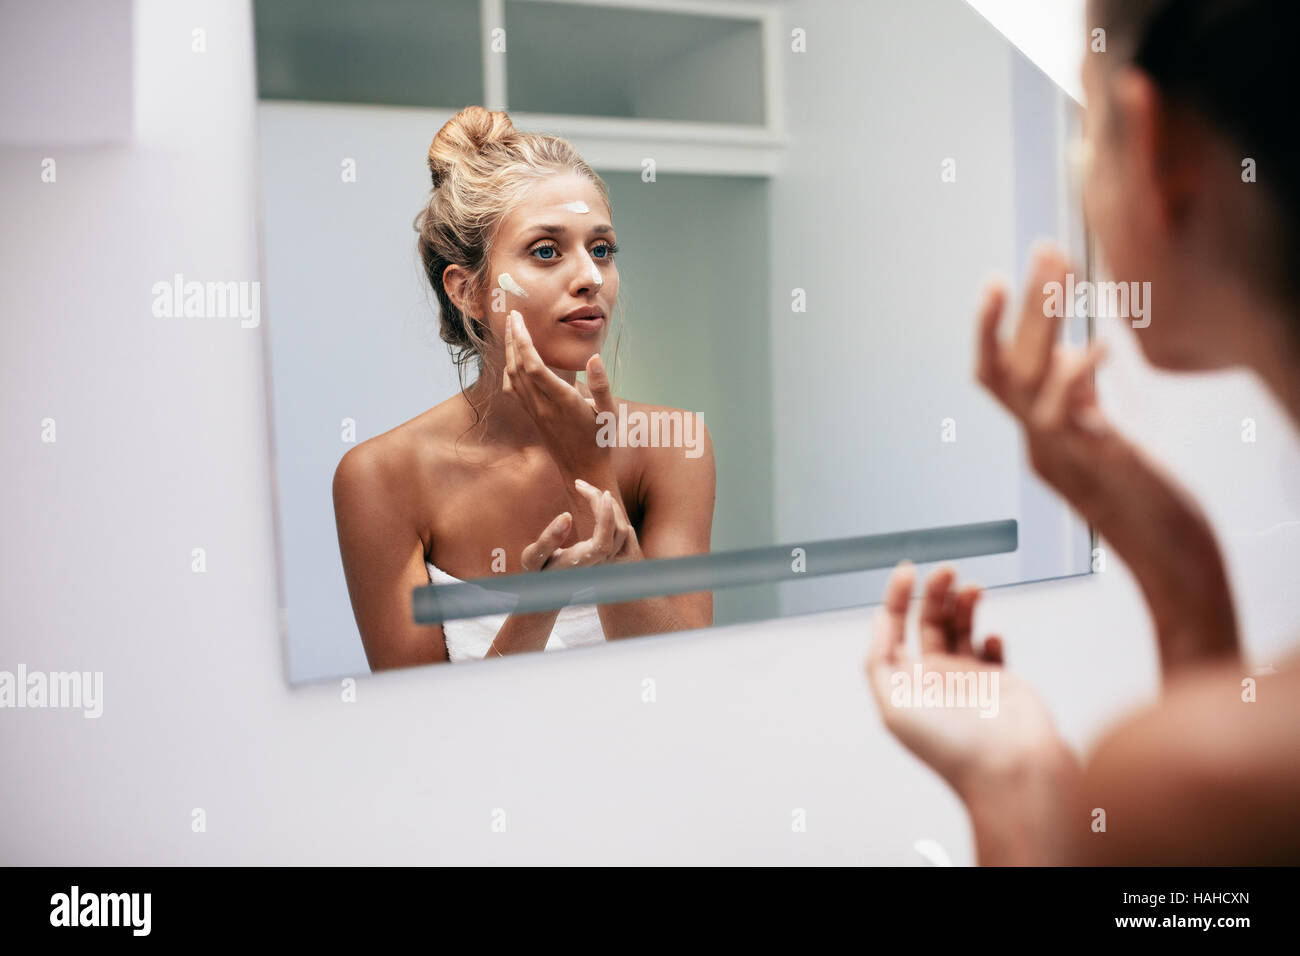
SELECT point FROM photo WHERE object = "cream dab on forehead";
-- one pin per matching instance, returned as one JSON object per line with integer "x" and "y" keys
{"x": 576, "y": 206}
{"x": 506, "y": 281}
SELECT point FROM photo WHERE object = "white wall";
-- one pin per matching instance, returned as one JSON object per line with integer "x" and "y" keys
{"x": 47, "y": 98}
{"x": 891, "y": 256}
{"x": 162, "y": 447}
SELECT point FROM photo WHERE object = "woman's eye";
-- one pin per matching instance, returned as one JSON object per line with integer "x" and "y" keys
{"x": 603, "y": 250}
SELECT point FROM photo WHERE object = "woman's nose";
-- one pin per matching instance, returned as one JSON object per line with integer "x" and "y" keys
{"x": 588, "y": 273}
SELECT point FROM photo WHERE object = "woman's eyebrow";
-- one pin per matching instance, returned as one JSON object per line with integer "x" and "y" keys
{"x": 544, "y": 227}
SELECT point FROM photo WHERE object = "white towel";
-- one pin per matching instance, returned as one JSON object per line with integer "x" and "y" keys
{"x": 470, "y": 638}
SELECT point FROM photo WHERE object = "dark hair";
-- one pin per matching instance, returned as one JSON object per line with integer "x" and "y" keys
{"x": 1230, "y": 62}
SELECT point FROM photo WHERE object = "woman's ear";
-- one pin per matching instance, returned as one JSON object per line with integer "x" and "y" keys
{"x": 1162, "y": 151}
{"x": 455, "y": 279}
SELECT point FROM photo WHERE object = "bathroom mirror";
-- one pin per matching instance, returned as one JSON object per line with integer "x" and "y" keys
{"x": 808, "y": 197}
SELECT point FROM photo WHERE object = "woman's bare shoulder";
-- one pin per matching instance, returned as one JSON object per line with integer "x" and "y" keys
{"x": 651, "y": 427}
{"x": 1212, "y": 768}
{"x": 1226, "y": 715}
{"x": 394, "y": 458}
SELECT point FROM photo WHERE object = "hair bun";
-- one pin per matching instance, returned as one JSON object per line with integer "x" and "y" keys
{"x": 468, "y": 133}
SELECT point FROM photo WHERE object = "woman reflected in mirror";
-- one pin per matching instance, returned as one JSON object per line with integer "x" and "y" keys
{"x": 521, "y": 471}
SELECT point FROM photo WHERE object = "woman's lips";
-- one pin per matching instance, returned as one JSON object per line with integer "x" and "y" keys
{"x": 591, "y": 323}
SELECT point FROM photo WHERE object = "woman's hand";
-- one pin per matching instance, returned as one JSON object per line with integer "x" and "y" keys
{"x": 977, "y": 721}
{"x": 532, "y": 630}
{"x": 1048, "y": 387}
{"x": 612, "y": 540}
{"x": 1140, "y": 510}
{"x": 565, "y": 418}
{"x": 1001, "y": 754}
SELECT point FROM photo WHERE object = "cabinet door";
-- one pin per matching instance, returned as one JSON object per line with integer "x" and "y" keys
{"x": 702, "y": 64}
{"x": 390, "y": 52}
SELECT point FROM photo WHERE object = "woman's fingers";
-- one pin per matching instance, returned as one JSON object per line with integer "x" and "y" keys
{"x": 624, "y": 543}
{"x": 622, "y": 528}
{"x": 624, "y": 533}
{"x": 602, "y": 538}
{"x": 517, "y": 375}
{"x": 519, "y": 352}
{"x": 529, "y": 360}
{"x": 598, "y": 384}
{"x": 1031, "y": 350}
{"x": 605, "y": 540}
{"x": 1066, "y": 384}
{"x": 936, "y": 612}
{"x": 988, "y": 366}
{"x": 964, "y": 618}
{"x": 992, "y": 652}
{"x": 535, "y": 372}
{"x": 539, "y": 552}
{"x": 591, "y": 493}
{"x": 946, "y": 624}
{"x": 889, "y": 626}
{"x": 1016, "y": 373}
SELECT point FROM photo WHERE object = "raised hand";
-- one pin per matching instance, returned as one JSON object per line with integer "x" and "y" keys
{"x": 999, "y": 725}
{"x": 612, "y": 540}
{"x": 1003, "y": 756}
{"x": 565, "y": 417}
{"x": 1149, "y": 519}
{"x": 1047, "y": 386}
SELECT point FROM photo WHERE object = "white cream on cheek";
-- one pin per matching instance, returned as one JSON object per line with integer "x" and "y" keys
{"x": 507, "y": 282}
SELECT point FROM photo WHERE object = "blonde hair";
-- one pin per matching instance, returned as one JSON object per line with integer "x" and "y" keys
{"x": 482, "y": 166}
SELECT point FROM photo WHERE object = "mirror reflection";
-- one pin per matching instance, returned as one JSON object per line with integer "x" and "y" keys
{"x": 682, "y": 339}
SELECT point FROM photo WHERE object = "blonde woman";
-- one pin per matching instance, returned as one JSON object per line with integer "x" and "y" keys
{"x": 507, "y": 475}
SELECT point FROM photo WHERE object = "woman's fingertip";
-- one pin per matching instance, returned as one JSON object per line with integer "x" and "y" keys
{"x": 1046, "y": 253}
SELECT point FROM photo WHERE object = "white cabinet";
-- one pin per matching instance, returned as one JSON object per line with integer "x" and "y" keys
{"x": 692, "y": 85}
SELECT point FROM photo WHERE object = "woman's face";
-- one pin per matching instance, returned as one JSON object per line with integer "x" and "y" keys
{"x": 1129, "y": 194}
{"x": 553, "y": 256}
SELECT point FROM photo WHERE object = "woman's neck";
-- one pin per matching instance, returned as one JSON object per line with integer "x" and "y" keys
{"x": 502, "y": 418}
{"x": 1274, "y": 354}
